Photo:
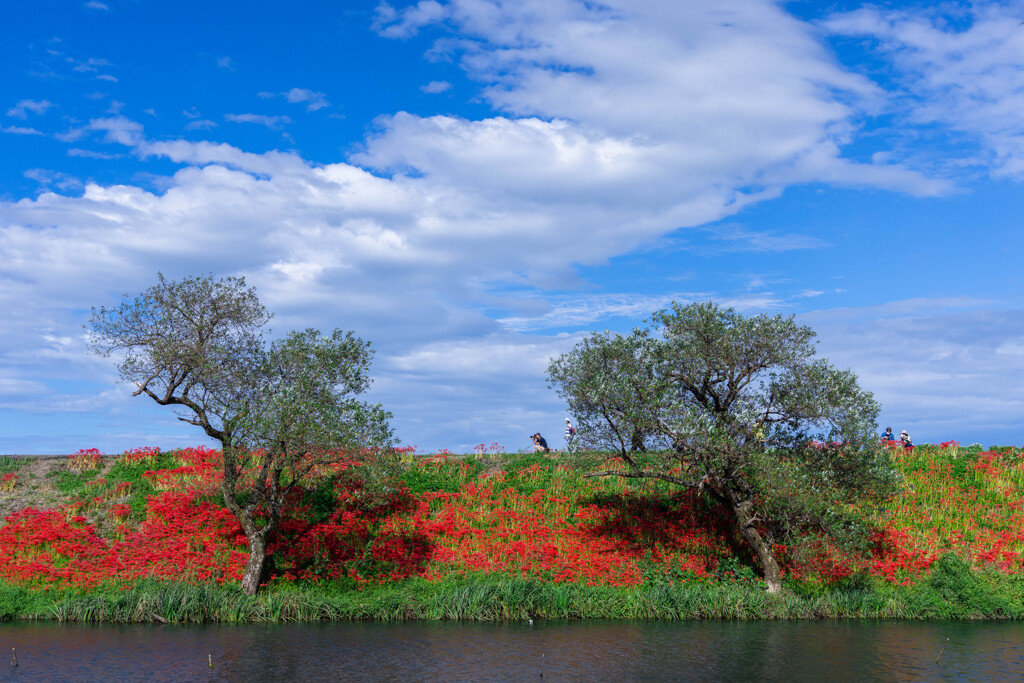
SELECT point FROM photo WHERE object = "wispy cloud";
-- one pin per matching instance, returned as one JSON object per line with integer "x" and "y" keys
{"x": 89, "y": 154}
{"x": 200, "y": 124}
{"x": 225, "y": 63}
{"x": 94, "y": 4}
{"x": 21, "y": 109}
{"x": 58, "y": 179}
{"x": 935, "y": 365}
{"x": 726, "y": 238}
{"x": 391, "y": 23}
{"x": 20, "y": 130}
{"x": 118, "y": 129}
{"x": 313, "y": 100}
{"x": 271, "y": 122}
{"x": 435, "y": 87}
{"x": 966, "y": 75}
{"x": 91, "y": 64}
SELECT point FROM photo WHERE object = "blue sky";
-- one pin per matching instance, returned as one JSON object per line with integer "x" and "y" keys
{"x": 472, "y": 185}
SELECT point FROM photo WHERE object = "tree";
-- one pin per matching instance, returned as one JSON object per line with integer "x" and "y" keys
{"x": 604, "y": 381}
{"x": 279, "y": 411}
{"x": 783, "y": 441}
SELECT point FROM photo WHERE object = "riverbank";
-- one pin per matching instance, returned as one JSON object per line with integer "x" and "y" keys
{"x": 142, "y": 537}
{"x": 951, "y": 592}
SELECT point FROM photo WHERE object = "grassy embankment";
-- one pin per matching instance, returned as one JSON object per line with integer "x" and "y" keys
{"x": 141, "y": 537}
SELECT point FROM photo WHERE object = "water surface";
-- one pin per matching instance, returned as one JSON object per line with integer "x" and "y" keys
{"x": 552, "y": 651}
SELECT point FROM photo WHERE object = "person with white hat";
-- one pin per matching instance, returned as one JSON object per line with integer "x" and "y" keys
{"x": 908, "y": 445}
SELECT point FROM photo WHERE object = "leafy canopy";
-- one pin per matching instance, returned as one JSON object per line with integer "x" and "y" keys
{"x": 738, "y": 407}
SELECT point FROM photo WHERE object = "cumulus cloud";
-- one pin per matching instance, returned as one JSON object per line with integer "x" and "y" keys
{"x": 739, "y": 96}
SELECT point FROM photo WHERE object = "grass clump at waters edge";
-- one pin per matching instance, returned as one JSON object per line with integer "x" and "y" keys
{"x": 951, "y": 593}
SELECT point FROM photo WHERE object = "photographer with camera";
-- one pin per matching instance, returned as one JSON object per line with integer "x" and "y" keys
{"x": 539, "y": 444}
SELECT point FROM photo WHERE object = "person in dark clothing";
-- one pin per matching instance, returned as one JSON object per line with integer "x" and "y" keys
{"x": 539, "y": 443}
{"x": 888, "y": 436}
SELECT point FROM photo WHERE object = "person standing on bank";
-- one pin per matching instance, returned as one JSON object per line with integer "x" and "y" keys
{"x": 570, "y": 433}
{"x": 908, "y": 445}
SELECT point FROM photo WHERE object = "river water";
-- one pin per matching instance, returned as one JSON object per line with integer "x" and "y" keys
{"x": 548, "y": 651}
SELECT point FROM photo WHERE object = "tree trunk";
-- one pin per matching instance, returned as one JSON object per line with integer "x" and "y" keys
{"x": 255, "y": 568}
{"x": 253, "y": 576}
{"x": 741, "y": 508}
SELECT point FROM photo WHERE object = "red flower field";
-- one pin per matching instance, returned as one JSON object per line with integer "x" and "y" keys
{"x": 146, "y": 514}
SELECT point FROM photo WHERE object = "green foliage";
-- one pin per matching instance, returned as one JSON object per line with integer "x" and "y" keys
{"x": 9, "y": 465}
{"x": 446, "y": 475}
{"x": 479, "y": 597}
{"x": 72, "y": 483}
{"x": 529, "y": 472}
{"x": 733, "y": 569}
{"x": 284, "y": 409}
{"x": 956, "y": 591}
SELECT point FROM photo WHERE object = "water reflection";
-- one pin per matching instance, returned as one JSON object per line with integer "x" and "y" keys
{"x": 561, "y": 651}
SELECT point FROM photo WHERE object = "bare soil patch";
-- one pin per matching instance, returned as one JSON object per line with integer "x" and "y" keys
{"x": 35, "y": 489}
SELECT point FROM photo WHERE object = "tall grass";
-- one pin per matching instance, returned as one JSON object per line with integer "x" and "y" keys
{"x": 952, "y": 592}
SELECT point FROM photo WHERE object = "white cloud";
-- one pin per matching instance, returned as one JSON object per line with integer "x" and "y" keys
{"x": 20, "y": 130}
{"x": 200, "y": 124}
{"x": 21, "y": 109}
{"x": 312, "y": 99}
{"x": 61, "y": 181}
{"x": 967, "y": 76}
{"x": 71, "y": 134}
{"x": 118, "y": 129}
{"x": 393, "y": 24}
{"x": 94, "y": 4}
{"x": 89, "y": 154}
{"x": 90, "y": 65}
{"x": 435, "y": 87}
{"x": 107, "y": 77}
{"x": 225, "y": 63}
{"x": 271, "y": 122}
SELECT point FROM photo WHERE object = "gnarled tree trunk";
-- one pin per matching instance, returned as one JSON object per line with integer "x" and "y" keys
{"x": 741, "y": 507}
{"x": 253, "y": 576}
{"x": 255, "y": 568}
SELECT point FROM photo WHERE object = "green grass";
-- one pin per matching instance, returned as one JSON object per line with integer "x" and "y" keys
{"x": 951, "y": 593}
{"x": 9, "y": 465}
